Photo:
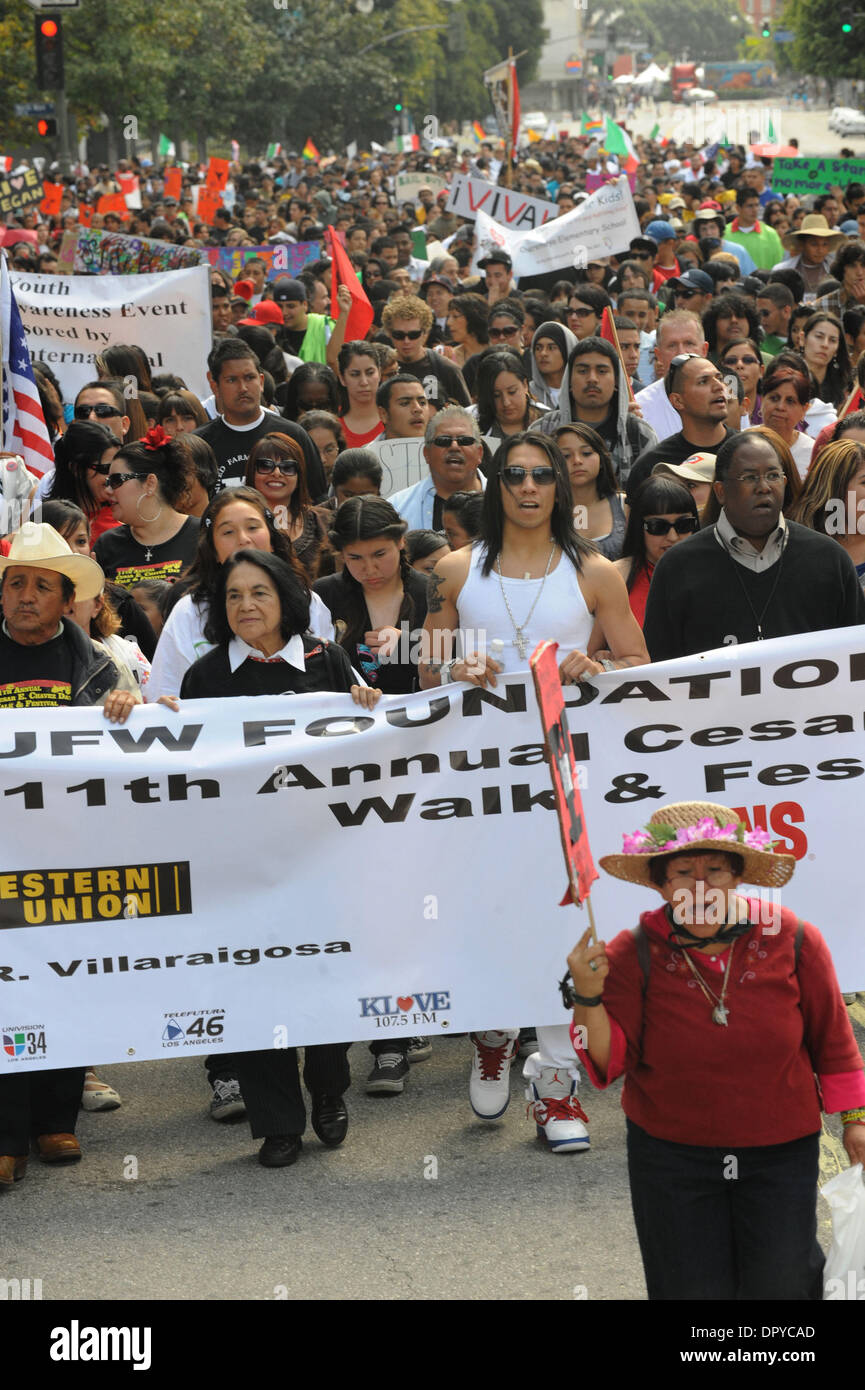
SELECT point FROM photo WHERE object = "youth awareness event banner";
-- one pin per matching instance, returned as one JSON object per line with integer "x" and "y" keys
{"x": 268, "y": 872}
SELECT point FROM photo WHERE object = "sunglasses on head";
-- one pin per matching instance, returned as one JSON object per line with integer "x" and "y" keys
{"x": 400, "y": 334}
{"x": 103, "y": 411}
{"x": 513, "y": 474}
{"x": 444, "y": 441}
{"x": 285, "y": 466}
{"x": 657, "y": 526}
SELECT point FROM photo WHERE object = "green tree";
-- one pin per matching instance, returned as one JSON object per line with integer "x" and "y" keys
{"x": 820, "y": 46}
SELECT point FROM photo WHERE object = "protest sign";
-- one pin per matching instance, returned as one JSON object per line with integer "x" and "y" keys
{"x": 10, "y": 235}
{"x": 217, "y": 175}
{"x": 286, "y": 258}
{"x": 402, "y": 461}
{"x": 173, "y": 183}
{"x": 113, "y": 203}
{"x": 85, "y": 214}
{"x": 20, "y": 192}
{"x": 515, "y": 210}
{"x": 207, "y": 205}
{"x": 815, "y": 175}
{"x": 94, "y": 252}
{"x": 193, "y": 903}
{"x": 70, "y": 319}
{"x": 602, "y": 226}
{"x": 407, "y": 186}
{"x": 50, "y": 205}
{"x": 130, "y": 189}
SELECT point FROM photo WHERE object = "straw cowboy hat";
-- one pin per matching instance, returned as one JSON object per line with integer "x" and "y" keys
{"x": 38, "y": 546}
{"x": 814, "y": 224}
{"x": 689, "y": 826}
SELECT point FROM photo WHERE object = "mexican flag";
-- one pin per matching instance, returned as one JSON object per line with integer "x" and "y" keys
{"x": 166, "y": 148}
{"x": 274, "y": 149}
{"x": 408, "y": 142}
{"x": 617, "y": 141}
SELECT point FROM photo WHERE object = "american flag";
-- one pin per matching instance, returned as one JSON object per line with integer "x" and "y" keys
{"x": 24, "y": 428}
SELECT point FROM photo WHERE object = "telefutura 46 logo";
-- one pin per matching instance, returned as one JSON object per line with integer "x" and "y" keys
{"x": 193, "y": 1028}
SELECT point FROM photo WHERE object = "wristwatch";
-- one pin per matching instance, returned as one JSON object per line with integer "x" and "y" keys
{"x": 446, "y": 671}
{"x": 570, "y": 996}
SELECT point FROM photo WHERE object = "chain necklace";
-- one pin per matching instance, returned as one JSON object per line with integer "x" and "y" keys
{"x": 519, "y": 628}
{"x": 720, "y": 1013}
{"x": 758, "y": 617}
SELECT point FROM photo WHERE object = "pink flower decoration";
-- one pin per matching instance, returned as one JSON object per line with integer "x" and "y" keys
{"x": 636, "y": 843}
{"x": 759, "y": 839}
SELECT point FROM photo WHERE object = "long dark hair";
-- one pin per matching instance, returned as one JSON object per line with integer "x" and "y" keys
{"x": 368, "y": 519}
{"x": 309, "y": 372}
{"x": 605, "y": 484}
{"x": 293, "y": 596}
{"x": 203, "y": 573}
{"x": 490, "y": 367}
{"x": 358, "y": 347}
{"x": 839, "y": 373}
{"x": 283, "y": 447}
{"x": 562, "y": 519}
{"x": 657, "y": 496}
{"x": 84, "y": 443}
{"x": 170, "y": 462}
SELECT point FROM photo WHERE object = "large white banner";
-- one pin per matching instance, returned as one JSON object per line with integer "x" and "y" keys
{"x": 516, "y": 210}
{"x": 603, "y": 225}
{"x": 70, "y": 319}
{"x": 278, "y": 871}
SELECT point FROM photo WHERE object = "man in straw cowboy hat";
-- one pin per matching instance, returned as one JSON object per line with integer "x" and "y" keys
{"x": 811, "y": 249}
{"x": 725, "y": 1017}
{"x": 46, "y": 662}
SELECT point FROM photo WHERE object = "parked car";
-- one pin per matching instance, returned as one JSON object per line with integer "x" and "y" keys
{"x": 695, "y": 94}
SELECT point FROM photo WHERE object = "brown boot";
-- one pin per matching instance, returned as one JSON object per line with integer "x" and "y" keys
{"x": 12, "y": 1169}
{"x": 58, "y": 1148}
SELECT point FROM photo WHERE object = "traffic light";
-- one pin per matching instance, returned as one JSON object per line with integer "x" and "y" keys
{"x": 46, "y": 128}
{"x": 846, "y": 21}
{"x": 49, "y": 54}
{"x": 397, "y": 106}
{"x": 766, "y": 31}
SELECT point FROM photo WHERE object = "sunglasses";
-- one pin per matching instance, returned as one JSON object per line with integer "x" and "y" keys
{"x": 102, "y": 469}
{"x": 102, "y": 411}
{"x": 741, "y": 361}
{"x": 687, "y": 294}
{"x": 116, "y": 480}
{"x": 289, "y": 470}
{"x": 399, "y": 335}
{"x": 444, "y": 441}
{"x": 683, "y": 525}
{"x": 503, "y": 333}
{"x": 514, "y": 475}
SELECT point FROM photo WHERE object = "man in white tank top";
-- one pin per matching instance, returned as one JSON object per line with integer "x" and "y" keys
{"x": 531, "y": 578}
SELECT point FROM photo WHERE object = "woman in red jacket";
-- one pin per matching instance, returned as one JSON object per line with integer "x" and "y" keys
{"x": 720, "y": 1011}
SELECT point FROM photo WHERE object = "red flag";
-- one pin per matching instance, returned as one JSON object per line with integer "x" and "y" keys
{"x": 50, "y": 204}
{"x": 207, "y": 204}
{"x": 173, "y": 183}
{"x": 569, "y": 804}
{"x": 608, "y": 331}
{"x": 855, "y": 401}
{"x": 343, "y": 273}
{"x": 217, "y": 175}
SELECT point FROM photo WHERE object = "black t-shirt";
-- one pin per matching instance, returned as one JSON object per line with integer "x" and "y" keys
{"x": 127, "y": 562}
{"x": 391, "y": 677}
{"x": 38, "y": 677}
{"x": 440, "y": 379}
{"x": 232, "y": 447}
{"x": 211, "y": 677}
{"x": 674, "y": 449}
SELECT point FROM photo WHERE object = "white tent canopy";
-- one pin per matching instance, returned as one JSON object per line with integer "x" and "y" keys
{"x": 624, "y": 80}
{"x": 652, "y": 74}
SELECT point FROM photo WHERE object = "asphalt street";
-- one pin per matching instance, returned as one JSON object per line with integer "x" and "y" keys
{"x": 499, "y": 1217}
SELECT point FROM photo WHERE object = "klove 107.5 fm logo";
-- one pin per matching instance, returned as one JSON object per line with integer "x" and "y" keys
{"x": 400, "y": 1010}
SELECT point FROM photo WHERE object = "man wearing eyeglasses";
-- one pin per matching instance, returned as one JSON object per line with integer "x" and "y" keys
{"x": 453, "y": 453}
{"x": 696, "y": 391}
{"x": 408, "y": 320}
{"x": 693, "y": 290}
{"x": 753, "y": 575}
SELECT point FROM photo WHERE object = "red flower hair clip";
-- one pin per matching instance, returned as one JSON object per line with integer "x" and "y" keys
{"x": 156, "y": 438}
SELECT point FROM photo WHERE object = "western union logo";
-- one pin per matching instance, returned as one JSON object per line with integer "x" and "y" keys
{"x": 42, "y": 897}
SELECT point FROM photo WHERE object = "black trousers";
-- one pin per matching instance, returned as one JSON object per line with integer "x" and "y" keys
{"x": 38, "y": 1102}
{"x": 270, "y": 1084}
{"x": 736, "y": 1223}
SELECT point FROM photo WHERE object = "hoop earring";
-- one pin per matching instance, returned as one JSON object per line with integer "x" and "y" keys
{"x": 148, "y": 520}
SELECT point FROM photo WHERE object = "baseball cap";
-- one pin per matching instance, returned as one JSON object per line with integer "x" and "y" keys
{"x": 661, "y": 231}
{"x": 435, "y": 280}
{"x": 644, "y": 245}
{"x": 495, "y": 258}
{"x": 289, "y": 289}
{"x": 266, "y": 312}
{"x": 694, "y": 280}
{"x": 696, "y": 468}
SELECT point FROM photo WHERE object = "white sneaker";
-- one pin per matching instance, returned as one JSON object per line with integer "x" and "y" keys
{"x": 558, "y": 1114}
{"x": 489, "y": 1084}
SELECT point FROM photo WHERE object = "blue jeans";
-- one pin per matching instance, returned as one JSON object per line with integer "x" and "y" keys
{"x": 734, "y": 1223}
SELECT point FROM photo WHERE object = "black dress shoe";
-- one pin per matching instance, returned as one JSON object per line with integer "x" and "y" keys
{"x": 329, "y": 1119}
{"x": 280, "y": 1150}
